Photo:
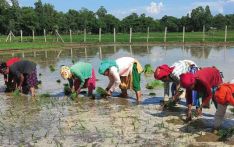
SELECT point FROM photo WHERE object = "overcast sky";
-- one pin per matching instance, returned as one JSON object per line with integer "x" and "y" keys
{"x": 153, "y": 8}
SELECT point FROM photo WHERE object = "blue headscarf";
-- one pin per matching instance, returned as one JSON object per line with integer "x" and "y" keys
{"x": 106, "y": 64}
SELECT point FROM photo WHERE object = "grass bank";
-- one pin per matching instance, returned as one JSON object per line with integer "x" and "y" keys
{"x": 156, "y": 37}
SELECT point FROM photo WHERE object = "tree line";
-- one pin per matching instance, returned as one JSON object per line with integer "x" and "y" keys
{"x": 44, "y": 16}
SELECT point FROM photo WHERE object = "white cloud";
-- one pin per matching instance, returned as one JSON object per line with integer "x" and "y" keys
{"x": 154, "y": 8}
{"x": 231, "y": 1}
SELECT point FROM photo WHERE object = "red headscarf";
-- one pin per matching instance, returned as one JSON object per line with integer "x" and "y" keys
{"x": 187, "y": 80}
{"x": 162, "y": 71}
{"x": 12, "y": 61}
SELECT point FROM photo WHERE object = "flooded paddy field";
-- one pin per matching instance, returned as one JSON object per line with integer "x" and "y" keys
{"x": 52, "y": 119}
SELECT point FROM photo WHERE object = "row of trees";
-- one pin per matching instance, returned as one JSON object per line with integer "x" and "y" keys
{"x": 44, "y": 16}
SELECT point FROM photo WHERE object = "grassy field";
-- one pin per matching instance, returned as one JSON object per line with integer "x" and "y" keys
{"x": 154, "y": 37}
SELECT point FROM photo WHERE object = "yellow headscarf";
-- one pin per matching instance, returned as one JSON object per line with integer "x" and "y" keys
{"x": 65, "y": 72}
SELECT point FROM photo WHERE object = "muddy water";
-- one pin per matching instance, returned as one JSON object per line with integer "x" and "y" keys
{"x": 58, "y": 120}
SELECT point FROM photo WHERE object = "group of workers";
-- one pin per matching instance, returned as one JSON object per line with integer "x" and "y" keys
{"x": 203, "y": 83}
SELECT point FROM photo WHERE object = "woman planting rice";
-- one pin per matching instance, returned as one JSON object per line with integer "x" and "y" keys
{"x": 24, "y": 73}
{"x": 124, "y": 73}
{"x": 204, "y": 81}
{"x": 80, "y": 75}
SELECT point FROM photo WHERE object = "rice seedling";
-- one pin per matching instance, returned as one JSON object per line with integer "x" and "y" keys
{"x": 73, "y": 96}
{"x": 226, "y": 133}
{"x": 52, "y": 68}
{"x": 155, "y": 84}
{"x": 58, "y": 81}
{"x": 16, "y": 93}
{"x": 40, "y": 74}
{"x": 101, "y": 91}
{"x": 152, "y": 94}
{"x": 148, "y": 69}
{"x": 169, "y": 105}
{"x": 45, "y": 95}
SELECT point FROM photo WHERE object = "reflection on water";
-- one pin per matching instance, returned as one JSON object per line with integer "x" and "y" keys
{"x": 219, "y": 56}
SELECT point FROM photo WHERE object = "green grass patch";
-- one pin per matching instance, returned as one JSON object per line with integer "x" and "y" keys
{"x": 28, "y": 45}
{"x": 154, "y": 37}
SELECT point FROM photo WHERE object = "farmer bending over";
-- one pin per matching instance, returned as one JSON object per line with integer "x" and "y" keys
{"x": 10, "y": 84}
{"x": 204, "y": 81}
{"x": 80, "y": 75}
{"x": 172, "y": 74}
{"x": 24, "y": 73}
{"x": 124, "y": 73}
{"x": 224, "y": 96}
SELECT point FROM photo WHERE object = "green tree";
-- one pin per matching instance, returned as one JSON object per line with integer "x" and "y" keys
{"x": 219, "y": 21}
{"x": 170, "y": 22}
{"x": 101, "y": 12}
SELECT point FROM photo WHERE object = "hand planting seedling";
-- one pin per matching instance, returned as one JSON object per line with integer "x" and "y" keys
{"x": 73, "y": 96}
{"x": 101, "y": 91}
{"x": 148, "y": 69}
{"x": 154, "y": 84}
{"x": 169, "y": 105}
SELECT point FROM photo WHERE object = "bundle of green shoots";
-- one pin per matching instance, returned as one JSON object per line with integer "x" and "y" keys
{"x": 155, "y": 84}
{"x": 16, "y": 93}
{"x": 226, "y": 133}
{"x": 148, "y": 69}
{"x": 74, "y": 95}
{"x": 101, "y": 91}
{"x": 52, "y": 68}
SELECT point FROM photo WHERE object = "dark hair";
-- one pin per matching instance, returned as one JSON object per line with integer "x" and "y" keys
{"x": 3, "y": 66}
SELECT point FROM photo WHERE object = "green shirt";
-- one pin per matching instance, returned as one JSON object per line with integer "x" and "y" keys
{"x": 82, "y": 71}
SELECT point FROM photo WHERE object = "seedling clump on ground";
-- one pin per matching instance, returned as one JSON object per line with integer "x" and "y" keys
{"x": 154, "y": 84}
{"x": 52, "y": 68}
{"x": 148, "y": 69}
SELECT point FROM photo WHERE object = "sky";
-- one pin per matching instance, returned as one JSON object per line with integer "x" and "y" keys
{"x": 154, "y": 8}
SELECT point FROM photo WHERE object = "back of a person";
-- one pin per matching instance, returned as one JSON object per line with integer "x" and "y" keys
{"x": 24, "y": 67}
{"x": 125, "y": 65}
{"x": 12, "y": 61}
{"x": 225, "y": 94}
{"x": 181, "y": 67}
{"x": 209, "y": 75}
{"x": 85, "y": 69}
